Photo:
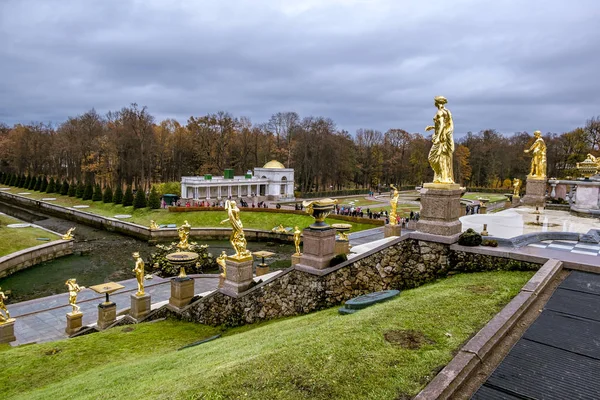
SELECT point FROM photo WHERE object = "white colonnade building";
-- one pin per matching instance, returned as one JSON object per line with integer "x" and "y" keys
{"x": 271, "y": 182}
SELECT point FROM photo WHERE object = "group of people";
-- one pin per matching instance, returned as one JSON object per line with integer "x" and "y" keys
{"x": 474, "y": 209}
{"x": 219, "y": 203}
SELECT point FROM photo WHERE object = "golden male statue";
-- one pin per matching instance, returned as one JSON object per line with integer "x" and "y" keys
{"x": 139, "y": 273}
{"x": 517, "y": 186}
{"x": 74, "y": 289}
{"x": 4, "y": 314}
{"x": 297, "y": 233}
{"x": 394, "y": 205}
{"x": 440, "y": 155}
{"x": 184, "y": 235}
{"x": 221, "y": 261}
{"x": 538, "y": 161}
{"x": 237, "y": 238}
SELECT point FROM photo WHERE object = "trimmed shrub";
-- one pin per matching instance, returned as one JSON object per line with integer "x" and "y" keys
{"x": 14, "y": 180}
{"x": 470, "y": 238}
{"x": 80, "y": 190}
{"x": 64, "y": 188}
{"x": 2, "y": 177}
{"x": 38, "y": 184}
{"x": 88, "y": 193}
{"x": 32, "y": 183}
{"x": 97, "y": 196}
{"x": 27, "y": 182}
{"x": 154, "y": 199}
{"x": 72, "y": 189}
{"x": 51, "y": 188}
{"x": 107, "y": 197}
{"x": 118, "y": 197}
{"x": 44, "y": 185}
{"x": 140, "y": 199}
{"x": 21, "y": 180}
{"x": 128, "y": 197}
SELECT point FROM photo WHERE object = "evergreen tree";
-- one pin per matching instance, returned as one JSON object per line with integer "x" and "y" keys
{"x": 72, "y": 189}
{"x": 51, "y": 188}
{"x": 21, "y": 182}
{"x": 118, "y": 197}
{"x": 8, "y": 180}
{"x": 44, "y": 185}
{"x": 128, "y": 197}
{"x": 97, "y": 196}
{"x": 64, "y": 189}
{"x": 27, "y": 182}
{"x": 107, "y": 197}
{"x": 2, "y": 178}
{"x": 154, "y": 199}
{"x": 140, "y": 199}
{"x": 88, "y": 193}
{"x": 32, "y": 183}
{"x": 80, "y": 190}
{"x": 38, "y": 184}
{"x": 14, "y": 180}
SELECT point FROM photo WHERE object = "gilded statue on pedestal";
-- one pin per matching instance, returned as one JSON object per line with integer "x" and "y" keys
{"x": 297, "y": 233}
{"x": 184, "y": 235}
{"x": 139, "y": 273}
{"x": 153, "y": 225}
{"x": 237, "y": 238}
{"x": 4, "y": 314}
{"x": 538, "y": 162}
{"x": 517, "y": 186}
{"x": 394, "y": 204}
{"x": 74, "y": 288}
{"x": 221, "y": 261}
{"x": 68, "y": 235}
{"x": 440, "y": 155}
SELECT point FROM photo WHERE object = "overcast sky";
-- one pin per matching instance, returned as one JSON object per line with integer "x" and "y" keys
{"x": 511, "y": 65}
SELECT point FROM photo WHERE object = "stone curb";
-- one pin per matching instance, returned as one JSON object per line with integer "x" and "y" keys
{"x": 449, "y": 379}
{"x": 31, "y": 256}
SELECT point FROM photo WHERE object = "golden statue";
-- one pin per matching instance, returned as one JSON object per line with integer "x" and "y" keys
{"x": 139, "y": 273}
{"x": 393, "y": 204}
{"x": 153, "y": 225}
{"x": 4, "y": 314}
{"x": 297, "y": 233}
{"x": 221, "y": 261}
{"x": 538, "y": 162}
{"x": 279, "y": 229}
{"x": 74, "y": 288}
{"x": 517, "y": 185}
{"x": 68, "y": 235}
{"x": 184, "y": 235}
{"x": 593, "y": 159}
{"x": 440, "y": 155}
{"x": 237, "y": 238}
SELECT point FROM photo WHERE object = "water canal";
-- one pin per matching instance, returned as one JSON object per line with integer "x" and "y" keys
{"x": 98, "y": 256}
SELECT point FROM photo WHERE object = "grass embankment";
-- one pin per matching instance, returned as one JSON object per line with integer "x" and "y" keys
{"x": 251, "y": 219}
{"x": 317, "y": 356}
{"x": 492, "y": 197}
{"x": 15, "y": 239}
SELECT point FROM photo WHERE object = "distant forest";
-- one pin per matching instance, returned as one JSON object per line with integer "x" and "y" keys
{"x": 130, "y": 147}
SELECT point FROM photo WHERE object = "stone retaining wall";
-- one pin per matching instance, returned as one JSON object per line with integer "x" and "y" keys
{"x": 403, "y": 263}
{"x": 22, "y": 259}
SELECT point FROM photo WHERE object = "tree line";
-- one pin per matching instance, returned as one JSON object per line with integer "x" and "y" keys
{"x": 130, "y": 147}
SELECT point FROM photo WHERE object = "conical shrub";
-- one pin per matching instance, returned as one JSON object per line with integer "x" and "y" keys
{"x": 64, "y": 188}
{"x": 44, "y": 185}
{"x": 107, "y": 197}
{"x": 140, "y": 199}
{"x": 51, "y": 188}
{"x": 118, "y": 197}
{"x": 72, "y": 189}
{"x": 88, "y": 193}
{"x": 154, "y": 199}
{"x": 128, "y": 197}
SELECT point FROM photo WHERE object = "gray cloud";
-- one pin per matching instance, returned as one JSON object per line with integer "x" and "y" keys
{"x": 509, "y": 65}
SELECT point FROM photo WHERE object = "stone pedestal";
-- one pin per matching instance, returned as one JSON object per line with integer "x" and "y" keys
{"x": 507, "y": 204}
{"x": 392, "y": 230}
{"x": 107, "y": 314}
{"x": 239, "y": 276}
{"x": 319, "y": 248}
{"x": 342, "y": 247}
{"x": 221, "y": 281}
{"x": 7, "y": 331}
{"x": 483, "y": 209}
{"x": 182, "y": 291}
{"x": 140, "y": 306}
{"x": 262, "y": 269}
{"x": 440, "y": 209}
{"x": 516, "y": 201}
{"x": 587, "y": 196}
{"x": 535, "y": 192}
{"x": 74, "y": 323}
{"x": 296, "y": 259}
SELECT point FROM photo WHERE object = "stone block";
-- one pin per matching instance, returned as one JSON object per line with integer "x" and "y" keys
{"x": 140, "y": 306}
{"x": 107, "y": 314}
{"x": 392, "y": 230}
{"x": 239, "y": 277}
{"x": 342, "y": 247}
{"x": 318, "y": 248}
{"x": 440, "y": 209}
{"x": 7, "y": 331}
{"x": 262, "y": 269}
{"x": 516, "y": 200}
{"x": 74, "y": 323}
{"x": 182, "y": 291}
{"x": 295, "y": 259}
{"x": 535, "y": 192}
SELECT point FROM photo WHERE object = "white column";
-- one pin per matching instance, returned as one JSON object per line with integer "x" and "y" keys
{"x": 218, "y": 191}
{"x": 239, "y": 191}
{"x": 228, "y": 191}
{"x": 207, "y": 192}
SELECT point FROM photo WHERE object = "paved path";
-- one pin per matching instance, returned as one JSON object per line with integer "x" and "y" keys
{"x": 558, "y": 357}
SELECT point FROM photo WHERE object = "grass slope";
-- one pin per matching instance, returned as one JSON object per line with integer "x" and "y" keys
{"x": 321, "y": 355}
{"x": 493, "y": 197}
{"x": 15, "y": 239}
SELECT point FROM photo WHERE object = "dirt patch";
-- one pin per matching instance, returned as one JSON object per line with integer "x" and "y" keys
{"x": 52, "y": 352}
{"x": 127, "y": 329}
{"x": 408, "y": 339}
{"x": 480, "y": 289}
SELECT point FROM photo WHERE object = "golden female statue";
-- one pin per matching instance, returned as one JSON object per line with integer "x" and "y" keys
{"x": 394, "y": 204}
{"x": 538, "y": 162}
{"x": 139, "y": 273}
{"x": 517, "y": 186}
{"x": 440, "y": 155}
{"x": 74, "y": 288}
{"x": 237, "y": 238}
{"x": 4, "y": 314}
{"x": 184, "y": 235}
{"x": 68, "y": 235}
{"x": 297, "y": 233}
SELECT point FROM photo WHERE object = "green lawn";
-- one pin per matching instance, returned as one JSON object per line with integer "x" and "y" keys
{"x": 15, "y": 239}
{"x": 493, "y": 197}
{"x": 321, "y": 355}
{"x": 251, "y": 219}
{"x": 359, "y": 201}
